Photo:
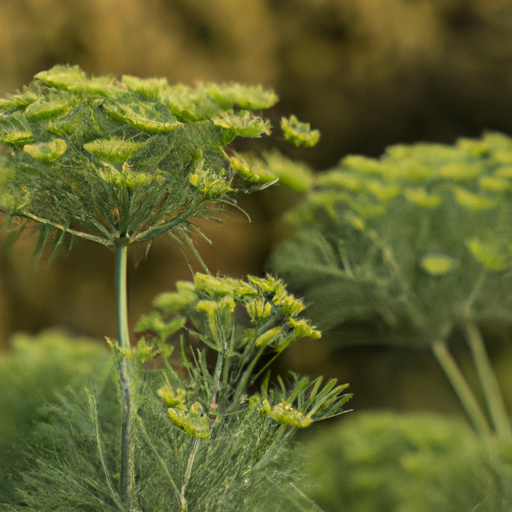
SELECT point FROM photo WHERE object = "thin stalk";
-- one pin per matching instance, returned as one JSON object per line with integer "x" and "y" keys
{"x": 94, "y": 413}
{"x": 461, "y": 388}
{"x": 188, "y": 473}
{"x": 490, "y": 387}
{"x": 102, "y": 241}
{"x": 244, "y": 381}
{"x": 127, "y": 472}
{"x": 157, "y": 456}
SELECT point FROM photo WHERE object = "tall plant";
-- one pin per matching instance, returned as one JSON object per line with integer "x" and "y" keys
{"x": 418, "y": 242}
{"x": 119, "y": 163}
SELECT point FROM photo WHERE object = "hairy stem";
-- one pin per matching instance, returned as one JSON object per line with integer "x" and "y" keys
{"x": 461, "y": 388}
{"x": 490, "y": 387}
{"x": 127, "y": 473}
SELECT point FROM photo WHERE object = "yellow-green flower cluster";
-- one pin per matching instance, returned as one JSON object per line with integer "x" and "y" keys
{"x": 471, "y": 180}
{"x": 299, "y": 133}
{"x": 128, "y": 159}
{"x": 191, "y": 419}
{"x": 214, "y": 305}
{"x": 304, "y": 402}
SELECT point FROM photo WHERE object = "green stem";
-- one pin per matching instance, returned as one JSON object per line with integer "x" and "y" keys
{"x": 490, "y": 387}
{"x": 127, "y": 473}
{"x": 188, "y": 473}
{"x": 461, "y": 388}
{"x": 244, "y": 380}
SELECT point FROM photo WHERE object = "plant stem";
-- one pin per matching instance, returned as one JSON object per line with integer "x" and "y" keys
{"x": 490, "y": 387}
{"x": 127, "y": 473}
{"x": 188, "y": 473}
{"x": 244, "y": 380}
{"x": 461, "y": 388}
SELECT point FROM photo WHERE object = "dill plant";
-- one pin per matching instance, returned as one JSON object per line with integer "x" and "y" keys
{"x": 120, "y": 162}
{"x": 411, "y": 249}
{"x": 419, "y": 243}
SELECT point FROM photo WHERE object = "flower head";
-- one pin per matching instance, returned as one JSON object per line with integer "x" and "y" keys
{"x": 122, "y": 161}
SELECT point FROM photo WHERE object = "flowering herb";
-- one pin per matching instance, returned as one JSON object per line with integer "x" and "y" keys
{"x": 121, "y": 162}
{"x": 420, "y": 241}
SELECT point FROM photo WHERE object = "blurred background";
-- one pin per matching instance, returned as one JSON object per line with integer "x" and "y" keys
{"x": 367, "y": 73}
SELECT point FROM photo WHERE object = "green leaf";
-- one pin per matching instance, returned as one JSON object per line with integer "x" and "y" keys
{"x": 472, "y": 201}
{"x": 254, "y": 171}
{"x": 490, "y": 252}
{"x": 15, "y": 130}
{"x": 420, "y": 197}
{"x": 51, "y": 106}
{"x": 149, "y": 117}
{"x": 192, "y": 422}
{"x": 236, "y": 95}
{"x": 113, "y": 149}
{"x": 72, "y": 78}
{"x": 295, "y": 175}
{"x": 461, "y": 171}
{"x": 242, "y": 123}
{"x": 149, "y": 88}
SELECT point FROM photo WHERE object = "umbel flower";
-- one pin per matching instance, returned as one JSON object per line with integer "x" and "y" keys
{"x": 240, "y": 321}
{"x": 123, "y": 161}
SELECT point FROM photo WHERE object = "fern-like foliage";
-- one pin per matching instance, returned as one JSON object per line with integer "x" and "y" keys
{"x": 418, "y": 240}
{"x": 109, "y": 159}
{"x": 243, "y": 466}
{"x": 31, "y": 374}
{"x": 206, "y": 435}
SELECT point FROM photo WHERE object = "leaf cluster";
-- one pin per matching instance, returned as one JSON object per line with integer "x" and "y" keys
{"x": 127, "y": 159}
{"x": 418, "y": 240}
{"x": 75, "y": 459}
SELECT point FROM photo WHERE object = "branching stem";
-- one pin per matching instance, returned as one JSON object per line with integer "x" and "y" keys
{"x": 244, "y": 380}
{"x": 461, "y": 388}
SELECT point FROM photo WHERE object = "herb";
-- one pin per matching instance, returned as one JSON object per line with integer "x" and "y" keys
{"x": 119, "y": 163}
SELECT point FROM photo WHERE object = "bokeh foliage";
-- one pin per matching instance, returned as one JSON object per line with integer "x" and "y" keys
{"x": 367, "y": 74}
{"x": 419, "y": 240}
{"x": 31, "y": 375}
{"x": 389, "y": 462}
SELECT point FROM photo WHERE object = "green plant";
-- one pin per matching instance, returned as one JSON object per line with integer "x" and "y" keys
{"x": 120, "y": 163}
{"x": 30, "y": 373}
{"x": 418, "y": 243}
{"x": 398, "y": 462}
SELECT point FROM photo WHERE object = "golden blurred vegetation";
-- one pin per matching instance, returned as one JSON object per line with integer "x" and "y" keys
{"x": 367, "y": 73}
